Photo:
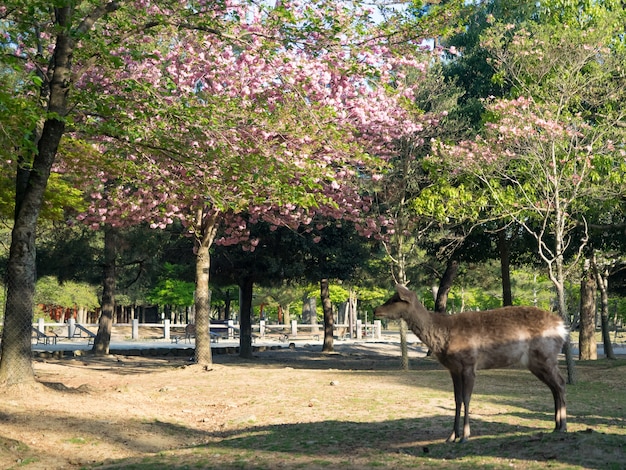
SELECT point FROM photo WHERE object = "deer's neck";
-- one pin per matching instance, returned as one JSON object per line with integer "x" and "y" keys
{"x": 428, "y": 327}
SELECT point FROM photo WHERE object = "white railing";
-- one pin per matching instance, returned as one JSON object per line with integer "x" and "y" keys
{"x": 228, "y": 330}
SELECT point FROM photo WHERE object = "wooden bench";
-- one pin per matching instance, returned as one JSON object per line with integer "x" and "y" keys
{"x": 43, "y": 338}
{"x": 80, "y": 329}
{"x": 215, "y": 337}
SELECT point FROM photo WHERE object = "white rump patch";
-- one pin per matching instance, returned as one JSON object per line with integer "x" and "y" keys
{"x": 557, "y": 332}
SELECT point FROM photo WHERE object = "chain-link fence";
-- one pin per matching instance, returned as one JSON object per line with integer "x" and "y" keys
{"x": 3, "y": 297}
{"x": 18, "y": 332}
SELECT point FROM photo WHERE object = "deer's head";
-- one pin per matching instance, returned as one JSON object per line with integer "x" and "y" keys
{"x": 402, "y": 301}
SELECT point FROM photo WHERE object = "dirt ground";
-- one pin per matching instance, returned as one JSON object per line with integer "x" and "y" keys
{"x": 88, "y": 411}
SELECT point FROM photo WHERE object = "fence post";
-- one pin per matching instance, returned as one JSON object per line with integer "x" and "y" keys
{"x": 378, "y": 329}
{"x": 135, "y": 328}
{"x": 359, "y": 330}
{"x": 262, "y": 328}
{"x": 71, "y": 327}
{"x": 166, "y": 329}
{"x": 41, "y": 325}
{"x": 231, "y": 329}
{"x": 294, "y": 328}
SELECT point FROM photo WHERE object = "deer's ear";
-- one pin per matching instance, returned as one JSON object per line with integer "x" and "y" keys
{"x": 405, "y": 294}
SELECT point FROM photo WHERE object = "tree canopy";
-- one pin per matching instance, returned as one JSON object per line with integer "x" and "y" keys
{"x": 417, "y": 126}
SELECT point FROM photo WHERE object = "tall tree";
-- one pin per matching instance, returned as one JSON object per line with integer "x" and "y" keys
{"x": 548, "y": 153}
{"x": 32, "y": 27}
{"x": 277, "y": 258}
{"x": 334, "y": 251}
{"x": 201, "y": 114}
{"x": 277, "y": 126}
{"x": 607, "y": 260}
{"x": 103, "y": 337}
{"x": 602, "y": 272}
{"x": 406, "y": 195}
{"x": 587, "y": 347}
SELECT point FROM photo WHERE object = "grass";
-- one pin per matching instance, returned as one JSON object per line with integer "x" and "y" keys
{"x": 398, "y": 420}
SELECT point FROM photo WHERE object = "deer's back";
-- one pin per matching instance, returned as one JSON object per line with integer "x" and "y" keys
{"x": 501, "y": 337}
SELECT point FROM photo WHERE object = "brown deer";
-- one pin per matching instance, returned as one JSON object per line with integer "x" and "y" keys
{"x": 490, "y": 339}
{"x": 190, "y": 331}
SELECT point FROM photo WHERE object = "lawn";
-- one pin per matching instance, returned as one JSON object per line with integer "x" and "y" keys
{"x": 300, "y": 409}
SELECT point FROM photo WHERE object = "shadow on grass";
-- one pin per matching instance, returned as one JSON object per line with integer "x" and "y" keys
{"x": 396, "y": 443}
{"x": 365, "y": 356}
{"x": 403, "y": 443}
{"x": 121, "y": 365}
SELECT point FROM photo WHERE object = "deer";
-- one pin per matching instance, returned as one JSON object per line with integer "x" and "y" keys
{"x": 190, "y": 331}
{"x": 490, "y": 339}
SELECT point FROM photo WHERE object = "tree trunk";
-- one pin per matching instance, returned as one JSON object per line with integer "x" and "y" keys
{"x": 586, "y": 338}
{"x": 602, "y": 282}
{"x": 16, "y": 362}
{"x": 404, "y": 328}
{"x": 227, "y": 305}
{"x": 207, "y": 223}
{"x": 31, "y": 182}
{"x": 102, "y": 340}
{"x": 604, "y": 319}
{"x": 329, "y": 323}
{"x": 445, "y": 285}
{"x": 504, "y": 247}
{"x": 245, "y": 318}
{"x": 559, "y": 285}
{"x": 404, "y": 345}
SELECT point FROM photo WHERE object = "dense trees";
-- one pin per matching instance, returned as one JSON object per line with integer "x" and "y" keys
{"x": 548, "y": 154}
{"x": 199, "y": 114}
{"x": 222, "y": 116}
{"x": 272, "y": 132}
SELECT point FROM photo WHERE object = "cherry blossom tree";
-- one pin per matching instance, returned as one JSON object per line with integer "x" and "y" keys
{"x": 219, "y": 114}
{"x": 276, "y": 121}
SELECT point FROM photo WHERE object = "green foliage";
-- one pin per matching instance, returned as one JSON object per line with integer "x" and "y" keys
{"x": 60, "y": 197}
{"x": 20, "y": 121}
{"x": 67, "y": 294}
{"x": 18, "y": 118}
{"x": 338, "y": 294}
{"x": 582, "y": 14}
{"x": 289, "y": 297}
{"x": 546, "y": 157}
{"x": 445, "y": 202}
{"x": 617, "y": 309}
{"x": 371, "y": 297}
{"x": 368, "y": 298}
{"x": 532, "y": 288}
{"x": 170, "y": 290}
{"x": 478, "y": 286}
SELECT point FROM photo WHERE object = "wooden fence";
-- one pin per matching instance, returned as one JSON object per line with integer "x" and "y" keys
{"x": 225, "y": 330}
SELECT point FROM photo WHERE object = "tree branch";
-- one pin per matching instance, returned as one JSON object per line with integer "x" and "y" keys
{"x": 95, "y": 15}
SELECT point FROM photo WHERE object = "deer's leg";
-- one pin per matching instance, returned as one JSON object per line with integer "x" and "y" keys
{"x": 548, "y": 372}
{"x": 458, "y": 400}
{"x": 468, "y": 379}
